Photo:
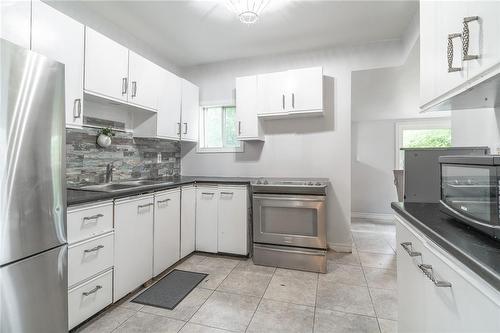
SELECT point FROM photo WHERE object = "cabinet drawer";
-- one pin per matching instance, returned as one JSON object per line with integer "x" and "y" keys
{"x": 89, "y": 298}
{"x": 89, "y": 258}
{"x": 89, "y": 221}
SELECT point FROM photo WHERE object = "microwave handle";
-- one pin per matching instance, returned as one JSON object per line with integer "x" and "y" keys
{"x": 469, "y": 220}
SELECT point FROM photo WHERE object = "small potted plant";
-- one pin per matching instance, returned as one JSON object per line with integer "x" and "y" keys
{"x": 104, "y": 137}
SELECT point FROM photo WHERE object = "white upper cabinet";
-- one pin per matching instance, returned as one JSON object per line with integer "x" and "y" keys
{"x": 61, "y": 38}
{"x": 143, "y": 80}
{"x": 305, "y": 90}
{"x": 271, "y": 94}
{"x": 249, "y": 126}
{"x": 428, "y": 40}
{"x": 169, "y": 106}
{"x": 206, "y": 218}
{"x": 190, "y": 111}
{"x": 106, "y": 66}
{"x": 15, "y": 22}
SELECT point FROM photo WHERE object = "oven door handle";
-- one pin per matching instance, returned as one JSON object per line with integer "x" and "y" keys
{"x": 285, "y": 197}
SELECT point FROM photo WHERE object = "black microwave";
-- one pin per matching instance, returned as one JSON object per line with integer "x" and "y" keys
{"x": 470, "y": 187}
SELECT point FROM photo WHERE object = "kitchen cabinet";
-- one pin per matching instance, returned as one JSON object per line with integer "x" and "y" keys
{"x": 207, "y": 198}
{"x": 167, "y": 228}
{"x": 445, "y": 299}
{"x": 188, "y": 219}
{"x": 143, "y": 79}
{"x": 249, "y": 126}
{"x": 169, "y": 106}
{"x": 106, "y": 66}
{"x": 133, "y": 243}
{"x": 271, "y": 94}
{"x": 232, "y": 222}
{"x": 190, "y": 111}
{"x": 61, "y": 38}
{"x": 15, "y": 22}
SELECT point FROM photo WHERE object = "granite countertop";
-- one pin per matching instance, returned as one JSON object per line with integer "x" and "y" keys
{"x": 475, "y": 250}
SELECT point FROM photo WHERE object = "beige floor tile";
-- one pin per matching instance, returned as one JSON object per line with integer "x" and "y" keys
{"x": 293, "y": 286}
{"x": 196, "y": 328}
{"x": 217, "y": 269}
{"x": 385, "y": 302}
{"x": 327, "y": 321}
{"x": 388, "y": 326}
{"x": 372, "y": 242}
{"x": 345, "y": 258}
{"x": 246, "y": 282}
{"x": 227, "y": 311}
{"x": 108, "y": 321}
{"x": 280, "y": 317}
{"x": 248, "y": 265}
{"x": 380, "y": 278}
{"x": 347, "y": 274}
{"x": 345, "y": 298}
{"x": 185, "y": 309}
{"x": 145, "y": 322}
{"x": 377, "y": 260}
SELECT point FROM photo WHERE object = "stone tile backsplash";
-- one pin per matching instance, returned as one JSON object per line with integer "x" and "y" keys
{"x": 132, "y": 157}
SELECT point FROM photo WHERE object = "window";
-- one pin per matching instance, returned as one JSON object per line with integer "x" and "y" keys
{"x": 218, "y": 130}
{"x": 421, "y": 134}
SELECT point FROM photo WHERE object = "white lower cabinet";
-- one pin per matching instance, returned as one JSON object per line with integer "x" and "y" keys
{"x": 133, "y": 243}
{"x": 167, "y": 231}
{"x": 188, "y": 219}
{"x": 207, "y": 198}
{"x": 89, "y": 298}
{"x": 467, "y": 304}
{"x": 232, "y": 225}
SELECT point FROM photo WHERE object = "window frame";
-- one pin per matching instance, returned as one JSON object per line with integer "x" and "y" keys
{"x": 421, "y": 124}
{"x": 200, "y": 148}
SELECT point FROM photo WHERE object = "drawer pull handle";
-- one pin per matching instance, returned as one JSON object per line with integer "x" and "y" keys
{"x": 429, "y": 272}
{"x": 227, "y": 193}
{"x": 408, "y": 248}
{"x": 163, "y": 201}
{"x": 207, "y": 193}
{"x": 94, "y": 249}
{"x": 93, "y": 291}
{"x": 144, "y": 206}
{"x": 93, "y": 217}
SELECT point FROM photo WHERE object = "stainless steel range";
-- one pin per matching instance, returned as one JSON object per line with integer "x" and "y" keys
{"x": 289, "y": 223}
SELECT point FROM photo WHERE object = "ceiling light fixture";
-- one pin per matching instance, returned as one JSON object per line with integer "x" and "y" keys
{"x": 248, "y": 11}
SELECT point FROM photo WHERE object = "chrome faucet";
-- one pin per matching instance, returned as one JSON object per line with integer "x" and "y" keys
{"x": 109, "y": 172}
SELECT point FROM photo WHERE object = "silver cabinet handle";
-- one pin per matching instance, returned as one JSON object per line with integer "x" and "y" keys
{"x": 283, "y": 101}
{"x": 124, "y": 85}
{"x": 449, "y": 53}
{"x": 93, "y": 217}
{"x": 429, "y": 272}
{"x": 293, "y": 100}
{"x": 408, "y": 248}
{"x": 239, "y": 127}
{"x": 163, "y": 201}
{"x": 185, "y": 128}
{"x": 94, "y": 249}
{"x": 227, "y": 193}
{"x": 77, "y": 108}
{"x": 207, "y": 193}
{"x": 178, "y": 128}
{"x": 134, "y": 88}
{"x": 144, "y": 206}
{"x": 465, "y": 39}
{"x": 90, "y": 292}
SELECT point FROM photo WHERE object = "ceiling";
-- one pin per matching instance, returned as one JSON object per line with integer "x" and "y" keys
{"x": 196, "y": 32}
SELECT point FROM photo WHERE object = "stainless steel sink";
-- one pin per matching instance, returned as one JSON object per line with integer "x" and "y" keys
{"x": 123, "y": 186}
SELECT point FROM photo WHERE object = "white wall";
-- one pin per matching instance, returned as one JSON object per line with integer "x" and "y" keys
{"x": 477, "y": 127}
{"x": 307, "y": 147}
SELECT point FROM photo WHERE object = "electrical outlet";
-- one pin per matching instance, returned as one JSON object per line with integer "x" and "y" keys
{"x": 158, "y": 158}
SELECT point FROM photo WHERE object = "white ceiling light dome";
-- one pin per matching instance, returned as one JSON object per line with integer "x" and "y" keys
{"x": 248, "y": 11}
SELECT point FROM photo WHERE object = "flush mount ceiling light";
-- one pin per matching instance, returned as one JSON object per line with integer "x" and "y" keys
{"x": 248, "y": 11}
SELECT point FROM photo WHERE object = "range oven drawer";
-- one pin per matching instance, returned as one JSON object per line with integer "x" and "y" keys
{"x": 290, "y": 257}
{"x": 290, "y": 220}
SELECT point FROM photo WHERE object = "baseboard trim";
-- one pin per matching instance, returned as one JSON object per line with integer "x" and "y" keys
{"x": 340, "y": 247}
{"x": 383, "y": 218}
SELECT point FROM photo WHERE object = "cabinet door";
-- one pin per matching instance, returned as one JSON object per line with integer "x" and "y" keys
{"x": 483, "y": 36}
{"x": 106, "y": 66}
{"x": 188, "y": 220}
{"x": 233, "y": 220}
{"x": 206, "y": 218}
{"x": 271, "y": 98}
{"x": 304, "y": 90}
{"x": 169, "y": 106}
{"x": 167, "y": 228}
{"x": 144, "y": 79}
{"x": 15, "y": 22}
{"x": 61, "y": 38}
{"x": 449, "y": 17}
{"x": 428, "y": 52}
{"x": 190, "y": 111}
{"x": 249, "y": 126}
{"x": 133, "y": 244}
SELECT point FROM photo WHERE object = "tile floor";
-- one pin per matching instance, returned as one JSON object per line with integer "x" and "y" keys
{"x": 358, "y": 294}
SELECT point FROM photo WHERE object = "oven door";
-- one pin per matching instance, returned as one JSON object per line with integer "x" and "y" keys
{"x": 294, "y": 220}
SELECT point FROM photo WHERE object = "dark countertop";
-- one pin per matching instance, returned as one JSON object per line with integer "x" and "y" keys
{"x": 477, "y": 251}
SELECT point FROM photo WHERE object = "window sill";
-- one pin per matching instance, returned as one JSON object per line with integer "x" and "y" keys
{"x": 219, "y": 150}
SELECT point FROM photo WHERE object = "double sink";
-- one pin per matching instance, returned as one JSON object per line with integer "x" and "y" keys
{"x": 123, "y": 185}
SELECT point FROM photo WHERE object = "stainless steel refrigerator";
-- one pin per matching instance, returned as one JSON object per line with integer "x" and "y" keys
{"x": 33, "y": 250}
